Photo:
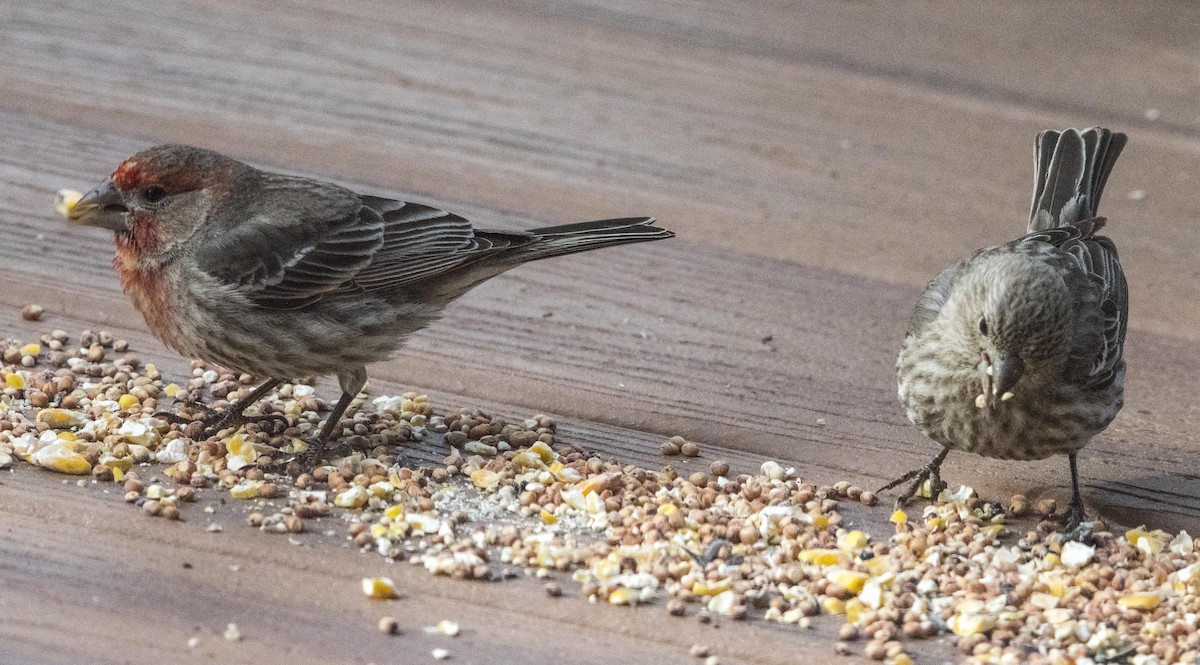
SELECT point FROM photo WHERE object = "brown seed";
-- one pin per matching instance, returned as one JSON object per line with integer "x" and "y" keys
{"x": 170, "y": 512}
{"x": 842, "y": 648}
{"x": 1047, "y": 507}
{"x": 553, "y": 589}
{"x": 152, "y": 508}
{"x": 699, "y": 650}
{"x": 255, "y": 520}
{"x": 669, "y": 448}
{"x": 719, "y": 468}
{"x": 1018, "y": 505}
{"x": 294, "y": 524}
{"x": 676, "y": 607}
{"x": 32, "y": 312}
{"x": 689, "y": 449}
{"x": 389, "y": 626}
{"x": 868, "y": 498}
{"x": 875, "y": 650}
{"x": 848, "y": 632}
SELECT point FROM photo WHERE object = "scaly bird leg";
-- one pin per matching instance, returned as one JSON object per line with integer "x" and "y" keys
{"x": 1076, "y": 526}
{"x": 215, "y": 420}
{"x": 316, "y": 454}
{"x": 931, "y": 472}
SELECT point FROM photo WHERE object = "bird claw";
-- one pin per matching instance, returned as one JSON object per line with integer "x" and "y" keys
{"x": 931, "y": 472}
{"x": 215, "y": 420}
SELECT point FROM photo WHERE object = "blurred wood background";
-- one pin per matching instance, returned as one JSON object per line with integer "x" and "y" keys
{"x": 820, "y": 161}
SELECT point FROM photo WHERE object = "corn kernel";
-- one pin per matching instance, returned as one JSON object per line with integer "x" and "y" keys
{"x": 379, "y": 531}
{"x": 833, "y": 605}
{"x": 65, "y": 201}
{"x": 118, "y": 474}
{"x": 543, "y": 450}
{"x": 971, "y": 623}
{"x": 851, "y": 580}
{"x": 171, "y": 390}
{"x": 1145, "y": 600}
{"x": 711, "y": 588}
{"x": 14, "y": 380}
{"x": 31, "y": 349}
{"x": 548, "y": 517}
{"x": 379, "y": 588}
{"x": 668, "y": 509}
{"x": 127, "y": 402}
{"x": 853, "y": 541}
{"x": 355, "y": 497}
{"x": 823, "y": 557}
{"x": 855, "y": 608}
{"x": 899, "y": 517}
{"x": 247, "y": 489}
{"x": 394, "y": 511}
{"x": 485, "y": 479}
{"x": 60, "y": 457}
{"x": 623, "y": 596}
{"x": 902, "y": 659}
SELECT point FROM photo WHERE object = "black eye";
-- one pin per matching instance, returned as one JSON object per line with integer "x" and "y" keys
{"x": 154, "y": 194}
{"x": 983, "y": 328}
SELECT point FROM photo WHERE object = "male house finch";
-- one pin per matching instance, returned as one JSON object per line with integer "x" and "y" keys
{"x": 1015, "y": 352}
{"x": 284, "y": 277}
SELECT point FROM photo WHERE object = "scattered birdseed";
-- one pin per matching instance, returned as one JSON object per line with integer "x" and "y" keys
{"x": 32, "y": 312}
{"x": 444, "y": 627}
{"x": 766, "y": 545}
{"x": 379, "y": 588}
{"x": 389, "y": 626}
{"x": 440, "y": 654}
{"x": 232, "y": 633}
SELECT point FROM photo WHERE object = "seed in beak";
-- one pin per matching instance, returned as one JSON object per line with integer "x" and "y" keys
{"x": 991, "y": 370}
{"x": 981, "y": 401}
{"x": 1006, "y": 396}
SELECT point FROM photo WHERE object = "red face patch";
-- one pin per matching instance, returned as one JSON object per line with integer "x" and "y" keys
{"x": 129, "y": 175}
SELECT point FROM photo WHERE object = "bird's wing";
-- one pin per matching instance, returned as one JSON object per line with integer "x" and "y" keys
{"x": 420, "y": 242}
{"x": 1102, "y": 337}
{"x": 319, "y": 240}
{"x": 929, "y": 305}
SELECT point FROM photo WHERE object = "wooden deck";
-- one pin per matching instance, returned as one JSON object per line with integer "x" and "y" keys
{"x": 817, "y": 167}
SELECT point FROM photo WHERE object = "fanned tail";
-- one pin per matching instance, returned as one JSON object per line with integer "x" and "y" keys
{"x": 1070, "y": 169}
{"x": 570, "y": 238}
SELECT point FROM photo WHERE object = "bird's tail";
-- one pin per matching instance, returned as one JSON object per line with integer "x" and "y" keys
{"x": 514, "y": 248}
{"x": 570, "y": 238}
{"x": 1070, "y": 169}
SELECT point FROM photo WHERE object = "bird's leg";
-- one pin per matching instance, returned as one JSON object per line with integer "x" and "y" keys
{"x": 931, "y": 472}
{"x": 352, "y": 383}
{"x": 1076, "y": 527}
{"x": 215, "y": 420}
{"x": 315, "y": 454}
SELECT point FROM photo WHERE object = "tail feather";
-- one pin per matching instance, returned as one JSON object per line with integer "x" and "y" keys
{"x": 1070, "y": 170}
{"x": 570, "y": 238}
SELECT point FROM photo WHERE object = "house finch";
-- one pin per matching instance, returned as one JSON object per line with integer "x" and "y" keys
{"x": 1015, "y": 352}
{"x": 284, "y": 277}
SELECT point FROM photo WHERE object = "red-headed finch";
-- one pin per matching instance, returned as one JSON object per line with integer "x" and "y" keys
{"x": 285, "y": 277}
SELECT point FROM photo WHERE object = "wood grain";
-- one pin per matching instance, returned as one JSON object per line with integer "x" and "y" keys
{"x": 819, "y": 161}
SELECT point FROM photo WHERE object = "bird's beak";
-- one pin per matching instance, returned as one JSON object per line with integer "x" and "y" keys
{"x": 1003, "y": 372}
{"x": 100, "y": 207}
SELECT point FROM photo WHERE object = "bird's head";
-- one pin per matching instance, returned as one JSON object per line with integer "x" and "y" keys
{"x": 159, "y": 197}
{"x": 1016, "y": 311}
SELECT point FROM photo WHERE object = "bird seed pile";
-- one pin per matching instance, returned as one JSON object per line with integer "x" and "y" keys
{"x": 507, "y": 498}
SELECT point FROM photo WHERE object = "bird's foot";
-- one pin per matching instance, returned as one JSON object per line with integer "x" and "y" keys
{"x": 1076, "y": 525}
{"x": 930, "y": 472}
{"x": 212, "y": 421}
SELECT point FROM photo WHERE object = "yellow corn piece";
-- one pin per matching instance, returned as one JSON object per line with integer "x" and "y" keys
{"x": 355, "y": 497}
{"x": 379, "y": 588}
{"x": 118, "y": 474}
{"x": 543, "y": 450}
{"x": 971, "y": 624}
{"x": 899, "y": 517}
{"x": 833, "y": 605}
{"x": 706, "y": 588}
{"x": 548, "y": 517}
{"x": 394, "y": 511}
{"x": 823, "y": 557}
{"x": 527, "y": 460}
{"x": 127, "y": 402}
{"x": 111, "y": 461}
{"x": 855, "y": 608}
{"x": 65, "y": 201}
{"x": 15, "y": 381}
{"x": 247, "y": 489}
{"x": 1145, "y": 600}
{"x": 592, "y": 483}
{"x": 876, "y": 566}
{"x": 171, "y": 390}
{"x": 623, "y": 596}
{"x": 668, "y": 509}
{"x": 850, "y": 580}
{"x": 60, "y": 457}
{"x": 379, "y": 531}
{"x": 31, "y": 349}
{"x": 485, "y": 479}
{"x": 902, "y": 659}
{"x": 853, "y": 541}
